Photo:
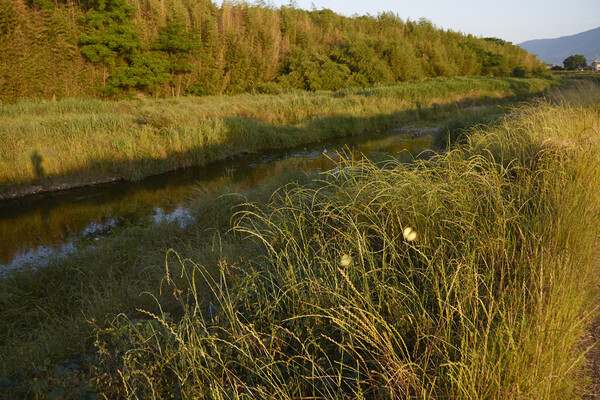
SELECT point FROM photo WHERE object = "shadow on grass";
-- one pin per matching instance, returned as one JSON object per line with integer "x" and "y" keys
{"x": 241, "y": 136}
{"x": 38, "y": 170}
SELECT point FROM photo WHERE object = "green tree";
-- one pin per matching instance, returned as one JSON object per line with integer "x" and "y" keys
{"x": 364, "y": 62}
{"x": 66, "y": 48}
{"x": 574, "y": 62}
{"x": 107, "y": 45}
{"x": 110, "y": 31}
{"x": 319, "y": 73}
{"x": 110, "y": 36}
{"x": 180, "y": 46}
{"x": 143, "y": 72}
{"x": 400, "y": 57}
{"x": 518, "y": 72}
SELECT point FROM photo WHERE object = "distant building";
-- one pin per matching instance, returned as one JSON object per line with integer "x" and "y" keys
{"x": 596, "y": 66}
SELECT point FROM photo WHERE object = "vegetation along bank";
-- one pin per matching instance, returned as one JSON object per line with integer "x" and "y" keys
{"x": 48, "y": 145}
{"x": 471, "y": 275}
{"x": 111, "y": 48}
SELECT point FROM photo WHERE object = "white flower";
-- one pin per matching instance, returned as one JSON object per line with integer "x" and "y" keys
{"x": 345, "y": 261}
{"x": 409, "y": 234}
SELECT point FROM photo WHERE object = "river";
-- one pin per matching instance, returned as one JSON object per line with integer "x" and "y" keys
{"x": 38, "y": 229}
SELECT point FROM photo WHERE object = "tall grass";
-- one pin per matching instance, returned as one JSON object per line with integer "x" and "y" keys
{"x": 73, "y": 142}
{"x": 333, "y": 297}
{"x": 318, "y": 292}
{"x": 49, "y": 315}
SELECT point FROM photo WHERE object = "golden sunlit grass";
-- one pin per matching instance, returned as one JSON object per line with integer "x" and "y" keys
{"x": 336, "y": 298}
{"x": 75, "y": 141}
{"x": 469, "y": 275}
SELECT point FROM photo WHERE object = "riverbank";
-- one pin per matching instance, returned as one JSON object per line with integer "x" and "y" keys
{"x": 69, "y": 143}
{"x": 34, "y": 228}
{"x": 454, "y": 277}
{"x": 320, "y": 290}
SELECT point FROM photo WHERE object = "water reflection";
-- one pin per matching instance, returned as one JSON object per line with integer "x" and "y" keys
{"x": 36, "y": 229}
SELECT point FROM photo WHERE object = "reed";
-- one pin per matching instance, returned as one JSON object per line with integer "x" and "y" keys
{"x": 319, "y": 289}
{"x": 487, "y": 295}
{"x": 73, "y": 142}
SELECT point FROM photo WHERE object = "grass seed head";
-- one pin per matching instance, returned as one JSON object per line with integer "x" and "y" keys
{"x": 409, "y": 234}
{"x": 345, "y": 261}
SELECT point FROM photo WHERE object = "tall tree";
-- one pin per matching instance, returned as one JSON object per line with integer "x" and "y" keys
{"x": 172, "y": 47}
{"x": 180, "y": 45}
{"x": 574, "y": 62}
{"x": 111, "y": 33}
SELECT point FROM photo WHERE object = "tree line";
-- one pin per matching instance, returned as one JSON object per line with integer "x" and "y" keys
{"x": 105, "y": 48}
{"x": 575, "y": 61}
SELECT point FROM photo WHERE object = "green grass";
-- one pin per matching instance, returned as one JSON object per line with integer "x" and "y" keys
{"x": 332, "y": 301}
{"x": 315, "y": 292}
{"x": 50, "y": 313}
{"x": 74, "y": 142}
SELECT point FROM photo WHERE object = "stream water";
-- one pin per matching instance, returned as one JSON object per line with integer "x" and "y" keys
{"x": 38, "y": 229}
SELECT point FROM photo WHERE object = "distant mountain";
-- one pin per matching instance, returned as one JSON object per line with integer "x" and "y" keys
{"x": 554, "y": 51}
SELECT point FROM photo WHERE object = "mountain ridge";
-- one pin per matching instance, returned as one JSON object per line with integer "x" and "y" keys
{"x": 554, "y": 51}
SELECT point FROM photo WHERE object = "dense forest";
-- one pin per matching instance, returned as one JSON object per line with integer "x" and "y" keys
{"x": 104, "y": 48}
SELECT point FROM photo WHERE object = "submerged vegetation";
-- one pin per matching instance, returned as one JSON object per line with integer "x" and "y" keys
{"x": 170, "y": 48}
{"x": 73, "y": 142}
{"x": 318, "y": 289}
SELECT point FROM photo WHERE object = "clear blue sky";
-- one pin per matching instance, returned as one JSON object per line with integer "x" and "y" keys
{"x": 512, "y": 20}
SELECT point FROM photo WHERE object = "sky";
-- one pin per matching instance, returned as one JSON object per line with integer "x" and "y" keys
{"x": 513, "y": 20}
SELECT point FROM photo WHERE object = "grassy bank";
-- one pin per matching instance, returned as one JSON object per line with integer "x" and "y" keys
{"x": 490, "y": 300}
{"x": 319, "y": 292}
{"x": 49, "y": 145}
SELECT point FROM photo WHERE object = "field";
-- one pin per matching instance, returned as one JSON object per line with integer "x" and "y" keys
{"x": 50, "y": 145}
{"x": 469, "y": 275}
